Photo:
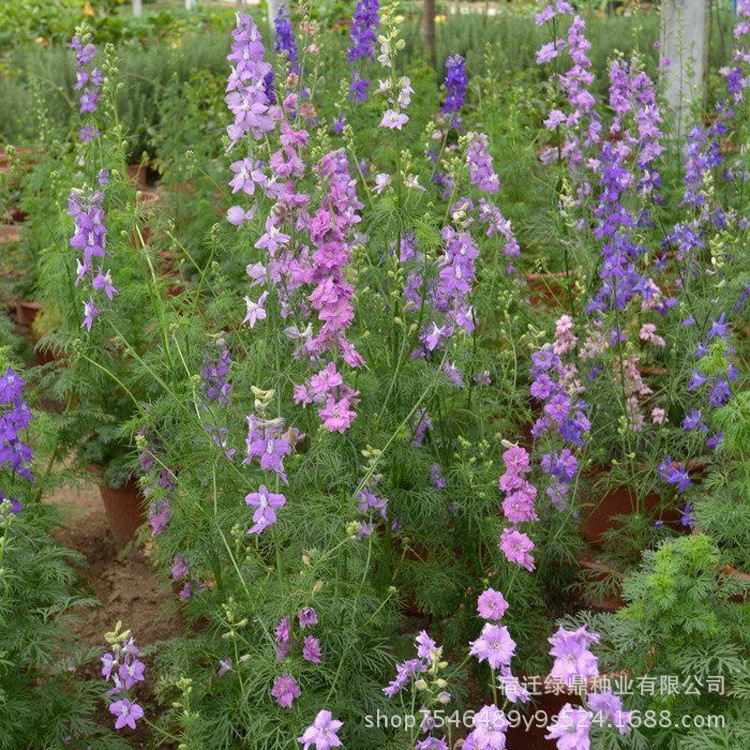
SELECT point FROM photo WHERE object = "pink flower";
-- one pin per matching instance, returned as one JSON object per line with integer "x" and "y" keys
{"x": 394, "y": 120}
{"x": 127, "y": 713}
{"x": 311, "y": 650}
{"x": 265, "y": 503}
{"x": 255, "y": 310}
{"x": 491, "y": 605}
{"x": 336, "y": 415}
{"x": 516, "y": 546}
{"x": 323, "y": 733}
{"x": 494, "y": 645}
{"x": 285, "y": 690}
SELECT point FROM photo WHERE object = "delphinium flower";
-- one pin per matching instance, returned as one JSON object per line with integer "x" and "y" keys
{"x": 675, "y": 473}
{"x": 491, "y": 605}
{"x": 622, "y": 275}
{"x": 579, "y": 126}
{"x": 331, "y": 296}
{"x": 608, "y": 709}
{"x": 15, "y": 416}
{"x": 311, "y": 650}
{"x": 88, "y": 82}
{"x": 89, "y": 237}
{"x": 307, "y": 617}
{"x": 496, "y": 223}
{"x": 156, "y": 480}
{"x": 284, "y": 41}
{"x": 489, "y": 727}
{"x": 479, "y": 163}
{"x": 266, "y": 504}
{"x": 428, "y": 654}
{"x": 123, "y": 668}
{"x": 456, "y": 82}
{"x": 555, "y": 383}
{"x": 247, "y": 86}
{"x": 285, "y": 690}
{"x": 217, "y": 390}
{"x": 450, "y": 294}
{"x": 368, "y": 501}
{"x": 363, "y": 36}
{"x": 571, "y": 728}
{"x": 180, "y": 573}
{"x": 518, "y": 505}
{"x": 517, "y": 546}
{"x": 322, "y": 734}
{"x": 494, "y": 645}
{"x": 574, "y": 660}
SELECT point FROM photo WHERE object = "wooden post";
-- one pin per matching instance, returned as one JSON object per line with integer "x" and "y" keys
{"x": 274, "y": 8}
{"x": 137, "y": 8}
{"x": 684, "y": 42}
{"x": 428, "y": 28}
{"x": 189, "y": 4}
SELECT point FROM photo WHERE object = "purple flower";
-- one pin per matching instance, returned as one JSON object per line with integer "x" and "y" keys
{"x": 265, "y": 503}
{"x": 393, "y": 119}
{"x": 479, "y": 163}
{"x": 323, "y": 733}
{"x": 283, "y": 638}
{"x": 427, "y": 648}
{"x": 573, "y": 659}
{"x": 363, "y": 31}
{"x": 674, "y": 473}
{"x": 255, "y": 310}
{"x": 285, "y": 41}
{"x": 127, "y": 713}
{"x": 516, "y": 546}
{"x": 15, "y": 416}
{"x": 311, "y": 650}
{"x": 249, "y": 96}
{"x": 404, "y": 672}
{"x": 494, "y": 645}
{"x": 456, "y": 82}
{"x": 489, "y": 728}
{"x": 608, "y": 708}
{"x": 225, "y": 665}
{"x": 571, "y": 729}
{"x": 285, "y": 690}
{"x": 491, "y": 605}
{"x": 307, "y": 617}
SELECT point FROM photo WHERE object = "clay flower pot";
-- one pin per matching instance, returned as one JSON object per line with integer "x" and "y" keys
{"x": 27, "y": 312}
{"x": 123, "y": 506}
{"x": 137, "y": 173}
{"x": 599, "y": 516}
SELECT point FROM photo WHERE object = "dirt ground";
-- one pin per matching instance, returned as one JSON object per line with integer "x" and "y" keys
{"x": 124, "y": 581}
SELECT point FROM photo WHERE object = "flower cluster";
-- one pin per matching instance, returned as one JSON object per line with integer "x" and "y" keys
{"x": 479, "y": 163}
{"x": 285, "y": 41}
{"x": 250, "y": 85}
{"x": 89, "y": 237}
{"x": 15, "y": 416}
{"x": 123, "y": 668}
{"x": 518, "y": 505}
{"x": 88, "y": 81}
{"x": 429, "y": 655}
{"x": 456, "y": 83}
{"x": 575, "y": 666}
{"x": 285, "y": 689}
{"x": 363, "y": 35}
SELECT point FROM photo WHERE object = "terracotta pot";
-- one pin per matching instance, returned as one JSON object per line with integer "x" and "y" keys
{"x": 27, "y": 312}
{"x": 123, "y": 506}
{"x": 137, "y": 173}
{"x": 599, "y": 516}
